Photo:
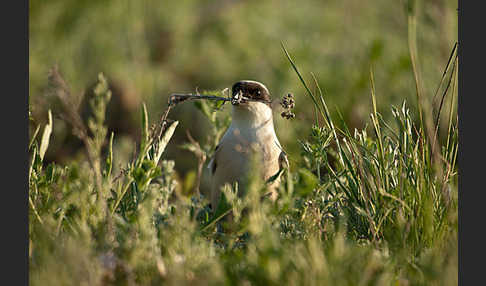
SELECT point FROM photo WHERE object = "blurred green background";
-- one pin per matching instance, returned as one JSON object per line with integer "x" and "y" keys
{"x": 149, "y": 49}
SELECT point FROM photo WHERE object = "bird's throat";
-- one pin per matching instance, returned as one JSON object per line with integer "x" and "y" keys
{"x": 251, "y": 115}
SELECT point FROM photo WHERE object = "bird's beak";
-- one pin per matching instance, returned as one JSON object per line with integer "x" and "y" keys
{"x": 237, "y": 98}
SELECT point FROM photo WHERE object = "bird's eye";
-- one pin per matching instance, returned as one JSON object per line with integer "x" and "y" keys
{"x": 258, "y": 92}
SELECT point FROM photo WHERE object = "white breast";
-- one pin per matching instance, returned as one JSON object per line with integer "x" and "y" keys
{"x": 250, "y": 135}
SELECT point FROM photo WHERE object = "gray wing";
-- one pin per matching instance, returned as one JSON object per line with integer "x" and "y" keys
{"x": 283, "y": 161}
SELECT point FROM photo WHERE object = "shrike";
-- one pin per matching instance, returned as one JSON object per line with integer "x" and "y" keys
{"x": 251, "y": 135}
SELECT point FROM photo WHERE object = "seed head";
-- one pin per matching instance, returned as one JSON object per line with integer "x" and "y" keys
{"x": 288, "y": 103}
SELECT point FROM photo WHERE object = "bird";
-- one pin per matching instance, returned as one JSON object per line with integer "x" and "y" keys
{"x": 250, "y": 136}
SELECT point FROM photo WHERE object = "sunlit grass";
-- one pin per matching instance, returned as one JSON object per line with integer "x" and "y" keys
{"x": 364, "y": 207}
{"x": 370, "y": 197}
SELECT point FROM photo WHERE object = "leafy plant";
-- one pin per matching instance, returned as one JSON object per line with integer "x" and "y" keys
{"x": 372, "y": 206}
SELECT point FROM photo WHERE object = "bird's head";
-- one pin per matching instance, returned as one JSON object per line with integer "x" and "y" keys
{"x": 246, "y": 91}
{"x": 251, "y": 101}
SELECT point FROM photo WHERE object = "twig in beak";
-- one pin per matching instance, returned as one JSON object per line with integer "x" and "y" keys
{"x": 176, "y": 98}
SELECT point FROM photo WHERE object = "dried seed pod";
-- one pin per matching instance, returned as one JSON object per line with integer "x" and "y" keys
{"x": 287, "y": 103}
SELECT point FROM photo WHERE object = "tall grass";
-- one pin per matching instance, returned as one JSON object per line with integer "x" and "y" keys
{"x": 365, "y": 207}
{"x": 149, "y": 51}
